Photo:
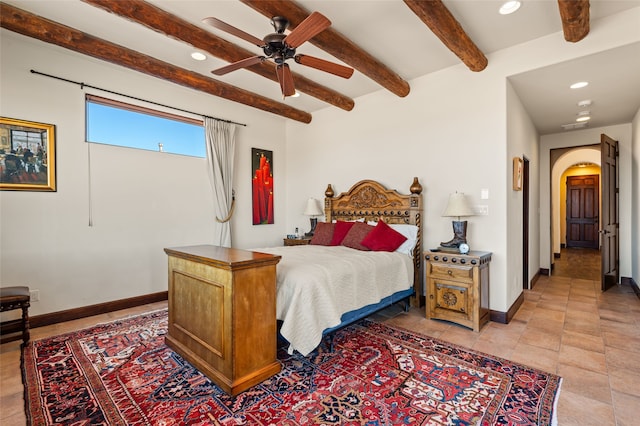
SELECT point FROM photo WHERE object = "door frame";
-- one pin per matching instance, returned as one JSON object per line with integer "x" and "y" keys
{"x": 525, "y": 223}
{"x": 559, "y": 160}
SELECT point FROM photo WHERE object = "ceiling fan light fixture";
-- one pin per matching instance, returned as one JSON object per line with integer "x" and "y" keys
{"x": 278, "y": 47}
{"x": 579, "y": 85}
{"x": 198, "y": 56}
{"x": 509, "y": 7}
{"x": 584, "y": 104}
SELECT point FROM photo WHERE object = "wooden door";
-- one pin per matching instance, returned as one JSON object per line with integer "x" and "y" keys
{"x": 525, "y": 224}
{"x": 583, "y": 211}
{"x": 609, "y": 232}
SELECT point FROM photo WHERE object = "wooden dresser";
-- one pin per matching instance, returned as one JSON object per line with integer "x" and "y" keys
{"x": 222, "y": 313}
{"x": 458, "y": 287}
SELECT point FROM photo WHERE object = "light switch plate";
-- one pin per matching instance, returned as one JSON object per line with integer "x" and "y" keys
{"x": 481, "y": 210}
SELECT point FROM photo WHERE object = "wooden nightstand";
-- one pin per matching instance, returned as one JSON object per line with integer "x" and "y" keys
{"x": 458, "y": 287}
{"x": 297, "y": 241}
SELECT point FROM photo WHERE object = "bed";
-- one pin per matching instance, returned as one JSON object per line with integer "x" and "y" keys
{"x": 223, "y": 302}
{"x": 322, "y": 288}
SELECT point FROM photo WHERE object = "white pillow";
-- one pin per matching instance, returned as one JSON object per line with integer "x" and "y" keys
{"x": 355, "y": 220}
{"x": 411, "y": 233}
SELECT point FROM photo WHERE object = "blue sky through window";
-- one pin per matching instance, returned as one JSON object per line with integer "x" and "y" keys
{"x": 121, "y": 127}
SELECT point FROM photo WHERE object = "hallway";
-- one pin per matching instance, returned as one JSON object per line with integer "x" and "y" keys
{"x": 582, "y": 263}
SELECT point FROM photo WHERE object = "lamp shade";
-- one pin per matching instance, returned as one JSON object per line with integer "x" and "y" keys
{"x": 458, "y": 206}
{"x": 313, "y": 208}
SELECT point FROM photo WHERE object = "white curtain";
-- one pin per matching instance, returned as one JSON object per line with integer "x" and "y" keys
{"x": 221, "y": 140}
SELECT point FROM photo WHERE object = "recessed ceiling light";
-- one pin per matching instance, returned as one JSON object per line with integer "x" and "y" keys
{"x": 296, "y": 94}
{"x": 579, "y": 85}
{"x": 509, "y": 7}
{"x": 198, "y": 56}
{"x": 573, "y": 126}
{"x": 583, "y": 118}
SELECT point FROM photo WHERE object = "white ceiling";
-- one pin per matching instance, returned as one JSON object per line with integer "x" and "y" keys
{"x": 392, "y": 33}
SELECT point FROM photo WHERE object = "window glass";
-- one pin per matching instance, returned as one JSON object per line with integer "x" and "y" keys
{"x": 116, "y": 123}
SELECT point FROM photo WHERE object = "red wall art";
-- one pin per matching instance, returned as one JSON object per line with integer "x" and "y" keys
{"x": 262, "y": 181}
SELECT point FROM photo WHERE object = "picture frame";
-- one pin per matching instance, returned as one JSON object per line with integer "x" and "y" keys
{"x": 27, "y": 155}
{"x": 262, "y": 186}
{"x": 517, "y": 173}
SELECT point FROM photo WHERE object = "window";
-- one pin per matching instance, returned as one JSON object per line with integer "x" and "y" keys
{"x": 117, "y": 123}
{"x": 28, "y": 139}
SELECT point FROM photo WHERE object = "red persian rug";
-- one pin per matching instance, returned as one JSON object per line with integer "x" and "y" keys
{"x": 122, "y": 373}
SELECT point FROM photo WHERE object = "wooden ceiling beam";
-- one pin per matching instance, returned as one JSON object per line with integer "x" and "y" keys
{"x": 334, "y": 43}
{"x": 443, "y": 24}
{"x": 163, "y": 22}
{"x": 575, "y": 19}
{"x": 34, "y": 26}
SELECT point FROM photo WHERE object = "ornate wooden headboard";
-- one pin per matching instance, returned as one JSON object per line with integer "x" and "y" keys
{"x": 370, "y": 200}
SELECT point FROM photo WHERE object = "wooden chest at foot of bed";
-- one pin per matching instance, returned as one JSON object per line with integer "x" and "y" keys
{"x": 222, "y": 313}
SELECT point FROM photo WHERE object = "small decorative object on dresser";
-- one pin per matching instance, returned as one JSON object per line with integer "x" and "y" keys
{"x": 458, "y": 287}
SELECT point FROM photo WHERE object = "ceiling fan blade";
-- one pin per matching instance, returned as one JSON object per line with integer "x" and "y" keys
{"x": 326, "y": 66}
{"x": 216, "y": 23}
{"x": 312, "y": 25}
{"x": 243, "y": 63}
{"x": 286, "y": 80}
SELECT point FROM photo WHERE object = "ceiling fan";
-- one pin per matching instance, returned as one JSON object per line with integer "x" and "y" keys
{"x": 279, "y": 47}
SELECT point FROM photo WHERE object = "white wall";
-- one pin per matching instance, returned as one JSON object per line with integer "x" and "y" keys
{"x": 141, "y": 201}
{"x": 522, "y": 141}
{"x": 621, "y": 133}
{"x": 635, "y": 199}
{"x": 444, "y": 132}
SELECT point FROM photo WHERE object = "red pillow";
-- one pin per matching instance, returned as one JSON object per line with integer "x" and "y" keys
{"x": 323, "y": 234}
{"x": 355, "y": 236}
{"x": 340, "y": 231}
{"x": 383, "y": 238}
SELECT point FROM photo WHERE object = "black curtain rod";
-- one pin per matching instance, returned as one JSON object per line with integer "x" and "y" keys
{"x": 83, "y": 85}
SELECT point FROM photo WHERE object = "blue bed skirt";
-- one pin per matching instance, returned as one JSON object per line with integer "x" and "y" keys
{"x": 353, "y": 316}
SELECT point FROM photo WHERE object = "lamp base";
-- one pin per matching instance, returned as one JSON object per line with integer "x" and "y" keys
{"x": 314, "y": 223}
{"x": 459, "y": 235}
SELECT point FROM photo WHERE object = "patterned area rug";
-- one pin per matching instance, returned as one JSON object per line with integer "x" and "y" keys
{"x": 122, "y": 373}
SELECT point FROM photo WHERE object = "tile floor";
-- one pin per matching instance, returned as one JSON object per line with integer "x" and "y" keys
{"x": 566, "y": 326}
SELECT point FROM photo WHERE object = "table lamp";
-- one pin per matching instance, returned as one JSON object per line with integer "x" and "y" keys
{"x": 457, "y": 207}
{"x": 313, "y": 209}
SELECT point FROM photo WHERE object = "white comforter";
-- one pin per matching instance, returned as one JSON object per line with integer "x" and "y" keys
{"x": 317, "y": 284}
